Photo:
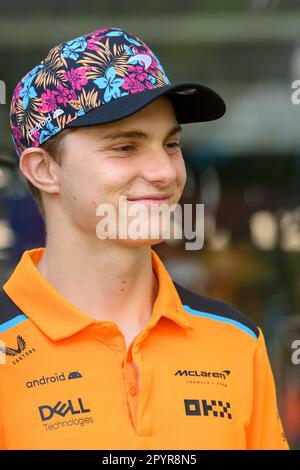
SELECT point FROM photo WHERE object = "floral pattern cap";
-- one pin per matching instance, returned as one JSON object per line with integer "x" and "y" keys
{"x": 78, "y": 76}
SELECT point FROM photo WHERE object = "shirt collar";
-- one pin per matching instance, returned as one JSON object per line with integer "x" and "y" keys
{"x": 58, "y": 318}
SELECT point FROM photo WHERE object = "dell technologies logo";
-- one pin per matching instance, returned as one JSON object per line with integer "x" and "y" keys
{"x": 62, "y": 409}
{"x": 65, "y": 410}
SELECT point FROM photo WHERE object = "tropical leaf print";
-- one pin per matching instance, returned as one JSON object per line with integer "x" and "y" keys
{"x": 53, "y": 72}
{"x": 99, "y": 61}
{"x": 161, "y": 79}
{"x": 64, "y": 119}
{"x": 89, "y": 100}
{"x": 118, "y": 60}
{"x": 78, "y": 76}
{"x": 61, "y": 121}
{"x": 98, "y": 67}
{"x": 75, "y": 104}
{"x": 29, "y": 117}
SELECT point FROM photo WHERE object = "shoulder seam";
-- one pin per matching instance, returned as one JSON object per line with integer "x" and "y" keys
{"x": 215, "y": 309}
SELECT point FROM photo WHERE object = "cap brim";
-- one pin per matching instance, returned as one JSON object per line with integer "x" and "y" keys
{"x": 192, "y": 103}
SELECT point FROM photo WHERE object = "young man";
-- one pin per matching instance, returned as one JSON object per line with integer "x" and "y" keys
{"x": 100, "y": 349}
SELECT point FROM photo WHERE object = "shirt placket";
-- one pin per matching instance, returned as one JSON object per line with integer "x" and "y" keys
{"x": 134, "y": 384}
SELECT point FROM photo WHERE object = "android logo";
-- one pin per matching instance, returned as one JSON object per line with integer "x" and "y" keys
{"x": 74, "y": 375}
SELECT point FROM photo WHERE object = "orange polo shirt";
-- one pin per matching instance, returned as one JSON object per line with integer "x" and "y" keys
{"x": 196, "y": 377}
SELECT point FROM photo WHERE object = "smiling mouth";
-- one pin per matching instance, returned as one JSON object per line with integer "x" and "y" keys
{"x": 154, "y": 198}
{"x": 151, "y": 201}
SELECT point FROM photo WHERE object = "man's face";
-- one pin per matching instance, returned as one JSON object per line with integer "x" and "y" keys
{"x": 97, "y": 168}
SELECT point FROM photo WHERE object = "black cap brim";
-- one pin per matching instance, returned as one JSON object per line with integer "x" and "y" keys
{"x": 192, "y": 103}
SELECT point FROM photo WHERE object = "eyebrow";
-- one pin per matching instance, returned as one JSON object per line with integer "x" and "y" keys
{"x": 135, "y": 133}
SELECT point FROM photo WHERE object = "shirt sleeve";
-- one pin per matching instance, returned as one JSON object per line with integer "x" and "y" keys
{"x": 265, "y": 429}
{"x": 2, "y": 441}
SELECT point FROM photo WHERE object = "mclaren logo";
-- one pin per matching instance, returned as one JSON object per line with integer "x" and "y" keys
{"x": 19, "y": 353}
{"x": 200, "y": 373}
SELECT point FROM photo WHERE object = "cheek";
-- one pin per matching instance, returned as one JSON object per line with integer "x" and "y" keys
{"x": 181, "y": 172}
{"x": 124, "y": 168}
{"x": 117, "y": 176}
{"x": 85, "y": 188}
{"x": 74, "y": 185}
{"x": 79, "y": 196}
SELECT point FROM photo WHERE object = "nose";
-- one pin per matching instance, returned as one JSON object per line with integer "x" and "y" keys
{"x": 159, "y": 167}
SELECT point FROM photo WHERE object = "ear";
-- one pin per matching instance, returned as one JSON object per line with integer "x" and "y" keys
{"x": 40, "y": 169}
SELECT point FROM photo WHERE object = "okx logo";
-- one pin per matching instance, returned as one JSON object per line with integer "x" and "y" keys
{"x": 214, "y": 408}
{"x": 62, "y": 409}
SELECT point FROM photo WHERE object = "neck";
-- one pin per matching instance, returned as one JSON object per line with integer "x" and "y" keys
{"x": 107, "y": 281}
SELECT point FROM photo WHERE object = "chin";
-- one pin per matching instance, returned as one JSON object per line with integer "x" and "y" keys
{"x": 140, "y": 242}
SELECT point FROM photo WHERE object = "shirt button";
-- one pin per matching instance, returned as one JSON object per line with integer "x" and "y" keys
{"x": 132, "y": 390}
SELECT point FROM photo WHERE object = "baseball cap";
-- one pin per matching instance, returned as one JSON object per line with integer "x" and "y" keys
{"x": 97, "y": 78}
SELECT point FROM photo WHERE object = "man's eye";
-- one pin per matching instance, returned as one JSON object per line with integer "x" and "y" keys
{"x": 127, "y": 148}
{"x": 175, "y": 144}
{"x": 124, "y": 148}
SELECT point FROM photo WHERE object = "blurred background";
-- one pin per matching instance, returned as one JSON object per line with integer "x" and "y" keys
{"x": 245, "y": 167}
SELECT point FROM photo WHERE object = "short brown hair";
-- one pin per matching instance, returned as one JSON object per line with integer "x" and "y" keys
{"x": 54, "y": 146}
